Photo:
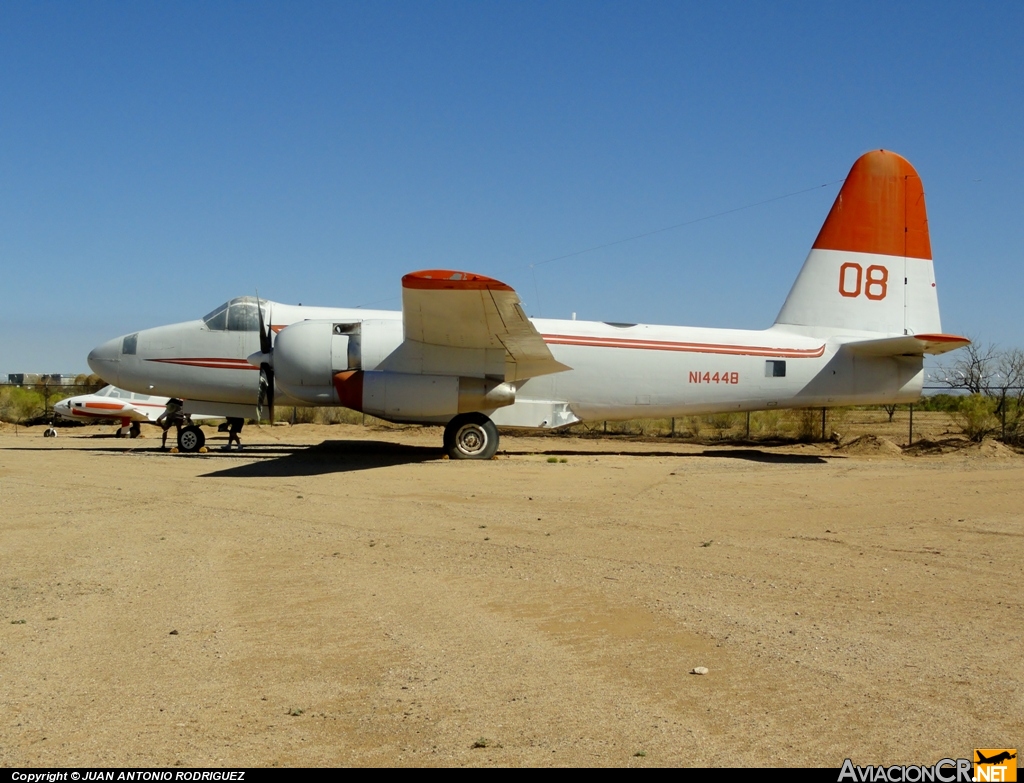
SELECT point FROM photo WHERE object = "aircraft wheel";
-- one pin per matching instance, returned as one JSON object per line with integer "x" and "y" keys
{"x": 470, "y": 436}
{"x": 135, "y": 430}
{"x": 119, "y": 433}
{"x": 191, "y": 439}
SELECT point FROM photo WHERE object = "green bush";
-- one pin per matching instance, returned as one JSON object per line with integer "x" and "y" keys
{"x": 19, "y": 405}
{"x": 976, "y": 416}
{"x": 949, "y": 403}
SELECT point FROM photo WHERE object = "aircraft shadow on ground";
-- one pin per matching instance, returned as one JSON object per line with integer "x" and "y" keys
{"x": 751, "y": 455}
{"x": 331, "y": 456}
{"x": 343, "y": 456}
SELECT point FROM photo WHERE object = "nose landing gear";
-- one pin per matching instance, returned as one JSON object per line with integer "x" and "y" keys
{"x": 190, "y": 439}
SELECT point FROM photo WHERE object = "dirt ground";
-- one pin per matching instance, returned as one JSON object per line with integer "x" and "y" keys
{"x": 344, "y": 596}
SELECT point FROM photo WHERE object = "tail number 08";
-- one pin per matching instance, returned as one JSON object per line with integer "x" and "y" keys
{"x": 873, "y": 282}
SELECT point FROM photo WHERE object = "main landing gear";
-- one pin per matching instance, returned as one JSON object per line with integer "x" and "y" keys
{"x": 470, "y": 436}
{"x": 126, "y": 430}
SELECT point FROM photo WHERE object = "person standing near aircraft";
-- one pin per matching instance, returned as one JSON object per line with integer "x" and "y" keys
{"x": 172, "y": 416}
{"x": 234, "y": 432}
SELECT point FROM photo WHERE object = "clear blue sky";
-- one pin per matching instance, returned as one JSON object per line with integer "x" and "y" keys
{"x": 157, "y": 159}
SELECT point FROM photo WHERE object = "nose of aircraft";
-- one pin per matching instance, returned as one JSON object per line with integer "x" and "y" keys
{"x": 104, "y": 360}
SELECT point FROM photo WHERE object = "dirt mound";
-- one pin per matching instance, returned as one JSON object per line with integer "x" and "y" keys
{"x": 930, "y": 448}
{"x": 991, "y": 448}
{"x": 988, "y": 448}
{"x": 871, "y": 445}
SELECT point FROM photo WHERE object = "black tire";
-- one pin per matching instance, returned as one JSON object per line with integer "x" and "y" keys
{"x": 470, "y": 436}
{"x": 135, "y": 430}
{"x": 191, "y": 439}
{"x": 118, "y": 433}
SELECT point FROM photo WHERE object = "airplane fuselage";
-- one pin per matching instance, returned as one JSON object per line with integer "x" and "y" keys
{"x": 619, "y": 371}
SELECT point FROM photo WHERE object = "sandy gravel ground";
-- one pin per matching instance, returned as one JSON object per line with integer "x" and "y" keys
{"x": 343, "y": 596}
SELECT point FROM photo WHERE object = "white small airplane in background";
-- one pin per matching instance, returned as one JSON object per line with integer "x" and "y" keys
{"x": 129, "y": 408}
{"x": 854, "y": 330}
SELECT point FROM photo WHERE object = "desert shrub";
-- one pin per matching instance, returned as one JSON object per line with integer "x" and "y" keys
{"x": 340, "y": 416}
{"x": 948, "y": 403}
{"x": 693, "y": 425}
{"x": 297, "y": 415}
{"x": 765, "y": 423}
{"x": 721, "y": 423}
{"x": 976, "y": 416}
{"x": 835, "y": 420}
{"x": 19, "y": 405}
{"x": 322, "y": 415}
{"x": 1014, "y": 432}
{"x": 807, "y": 423}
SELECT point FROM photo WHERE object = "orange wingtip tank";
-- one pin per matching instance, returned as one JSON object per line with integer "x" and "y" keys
{"x": 880, "y": 209}
{"x": 450, "y": 280}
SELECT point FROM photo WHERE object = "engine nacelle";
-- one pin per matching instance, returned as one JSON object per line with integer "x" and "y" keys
{"x": 308, "y": 354}
{"x": 407, "y": 397}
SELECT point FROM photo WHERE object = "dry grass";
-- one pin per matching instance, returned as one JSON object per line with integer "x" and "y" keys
{"x": 798, "y": 425}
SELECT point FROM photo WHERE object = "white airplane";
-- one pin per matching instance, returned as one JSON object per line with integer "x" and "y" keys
{"x": 129, "y": 408}
{"x": 854, "y": 329}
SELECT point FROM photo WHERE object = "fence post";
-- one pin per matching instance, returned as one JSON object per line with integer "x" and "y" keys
{"x": 910, "y": 436}
{"x": 823, "y": 423}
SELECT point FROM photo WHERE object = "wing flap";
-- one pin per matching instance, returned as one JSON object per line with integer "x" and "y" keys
{"x": 459, "y": 310}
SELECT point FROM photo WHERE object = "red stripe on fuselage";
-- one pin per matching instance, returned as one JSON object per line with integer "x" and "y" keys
{"x": 666, "y": 345}
{"x": 211, "y": 362}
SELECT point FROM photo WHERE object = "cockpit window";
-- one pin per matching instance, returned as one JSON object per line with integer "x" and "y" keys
{"x": 242, "y": 317}
{"x": 238, "y": 315}
{"x": 217, "y": 320}
{"x": 105, "y": 391}
{"x": 129, "y": 344}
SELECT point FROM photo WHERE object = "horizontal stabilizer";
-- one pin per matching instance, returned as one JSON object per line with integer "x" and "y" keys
{"x": 908, "y": 345}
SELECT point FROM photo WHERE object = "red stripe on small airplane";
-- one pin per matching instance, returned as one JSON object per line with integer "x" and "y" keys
{"x": 113, "y": 406}
{"x": 87, "y": 414}
{"x": 217, "y": 364}
{"x": 660, "y": 345}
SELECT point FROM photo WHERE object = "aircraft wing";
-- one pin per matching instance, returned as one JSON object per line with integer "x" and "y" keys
{"x": 908, "y": 345}
{"x": 471, "y": 321}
